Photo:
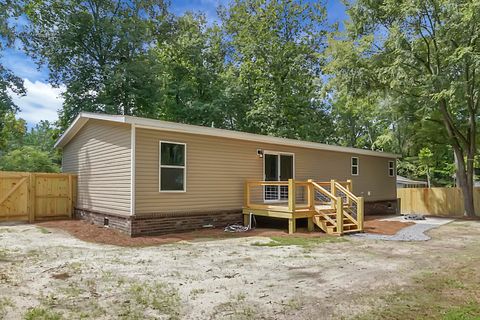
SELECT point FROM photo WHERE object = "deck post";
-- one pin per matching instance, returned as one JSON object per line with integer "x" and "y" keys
{"x": 246, "y": 195}
{"x": 291, "y": 206}
{"x": 291, "y": 195}
{"x": 349, "y": 188}
{"x": 311, "y": 195}
{"x": 333, "y": 190}
{"x": 339, "y": 215}
{"x": 246, "y": 219}
{"x": 360, "y": 213}
{"x": 311, "y": 204}
{"x": 310, "y": 225}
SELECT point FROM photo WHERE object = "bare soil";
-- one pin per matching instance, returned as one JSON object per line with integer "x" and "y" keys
{"x": 46, "y": 273}
{"x": 91, "y": 233}
{"x": 374, "y": 224}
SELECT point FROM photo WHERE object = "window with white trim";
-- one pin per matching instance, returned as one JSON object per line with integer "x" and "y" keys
{"x": 355, "y": 166}
{"x": 172, "y": 168}
{"x": 391, "y": 168}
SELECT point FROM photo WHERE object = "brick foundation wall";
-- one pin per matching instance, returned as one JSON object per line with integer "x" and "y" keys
{"x": 382, "y": 207}
{"x": 122, "y": 223}
{"x": 160, "y": 223}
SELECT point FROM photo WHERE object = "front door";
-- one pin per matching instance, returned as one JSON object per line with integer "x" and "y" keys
{"x": 277, "y": 167}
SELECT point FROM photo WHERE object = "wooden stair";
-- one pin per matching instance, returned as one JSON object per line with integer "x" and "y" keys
{"x": 340, "y": 217}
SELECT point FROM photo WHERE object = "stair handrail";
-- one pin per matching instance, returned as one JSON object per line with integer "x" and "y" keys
{"x": 324, "y": 191}
{"x": 347, "y": 192}
{"x": 359, "y": 202}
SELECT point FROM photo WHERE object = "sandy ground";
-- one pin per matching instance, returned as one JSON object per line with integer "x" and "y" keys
{"x": 97, "y": 234}
{"x": 49, "y": 274}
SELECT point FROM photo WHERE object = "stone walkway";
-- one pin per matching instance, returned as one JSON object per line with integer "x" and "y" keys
{"x": 415, "y": 232}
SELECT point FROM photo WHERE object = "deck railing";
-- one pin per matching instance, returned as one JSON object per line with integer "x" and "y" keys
{"x": 333, "y": 195}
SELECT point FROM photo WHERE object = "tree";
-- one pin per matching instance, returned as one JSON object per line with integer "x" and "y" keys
{"x": 425, "y": 157}
{"x": 190, "y": 64}
{"x": 8, "y": 80}
{"x": 274, "y": 66}
{"x": 12, "y": 132}
{"x": 28, "y": 158}
{"x": 422, "y": 51}
{"x": 98, "y": 50}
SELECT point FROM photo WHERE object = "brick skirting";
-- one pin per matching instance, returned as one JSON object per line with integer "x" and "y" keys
{"x": 382, "y": 207}
{"x": 154, "y": 224}
{"x": 158, "y": 223}
{"x": 119, "y": 222}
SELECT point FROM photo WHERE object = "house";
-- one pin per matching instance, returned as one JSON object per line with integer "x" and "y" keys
{"x": 403, "y": 182}
{"x": 146, "y": 176}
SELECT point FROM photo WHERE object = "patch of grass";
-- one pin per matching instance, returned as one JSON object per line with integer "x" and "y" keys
{"x": 3, "y": 254}
{"x": 5, "y": 303}
{"x": 470, "y": 311}
{"x": 236, "y": 309}
{"x": 196, "y": 292}
{"x": 157, "y": 296}
{"x": 447, "y": 294}
{"x": 305, "y": 242}
{"x": 39, "y": 313}
{"x": 43, "y": 230}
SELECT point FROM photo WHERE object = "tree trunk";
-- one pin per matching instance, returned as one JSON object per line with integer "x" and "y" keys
{"x": 465, "y": 182}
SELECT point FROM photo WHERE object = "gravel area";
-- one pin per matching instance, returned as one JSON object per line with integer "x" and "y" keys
{"x": 414, "y": 232}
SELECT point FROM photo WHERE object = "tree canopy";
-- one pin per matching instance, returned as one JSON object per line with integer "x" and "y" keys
{"x": 399, "y": 76}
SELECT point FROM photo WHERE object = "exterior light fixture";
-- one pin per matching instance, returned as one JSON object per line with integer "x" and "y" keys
{"x": 260, "y": 153}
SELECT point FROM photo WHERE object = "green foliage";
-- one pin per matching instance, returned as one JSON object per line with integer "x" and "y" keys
{"x": 98, "y": 49}
{"x": 274, "y": 67}
{"x": 28, "y": 158}
{"x": 8, "y": 81}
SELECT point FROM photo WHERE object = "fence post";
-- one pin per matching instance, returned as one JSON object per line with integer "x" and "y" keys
{"x": 70, "y": 196}
{"x": 360, "y": 213}
{"x": 339, "y": 215}
{"x": 31, "y": 197}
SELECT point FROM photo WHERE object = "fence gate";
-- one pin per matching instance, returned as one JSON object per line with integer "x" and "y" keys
{"x": 33, "y": 197}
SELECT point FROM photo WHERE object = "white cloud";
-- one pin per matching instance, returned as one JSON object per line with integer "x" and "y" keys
{"x": 42, "y": 102}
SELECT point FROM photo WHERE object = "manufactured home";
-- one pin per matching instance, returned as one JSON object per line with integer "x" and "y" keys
{"x": 145, "y": 176}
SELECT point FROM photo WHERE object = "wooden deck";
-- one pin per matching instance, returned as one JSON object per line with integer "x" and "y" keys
{"x": 338, "y": 210}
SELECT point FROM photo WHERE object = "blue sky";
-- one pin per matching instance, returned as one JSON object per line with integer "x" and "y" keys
{"x": 42, "y": 101}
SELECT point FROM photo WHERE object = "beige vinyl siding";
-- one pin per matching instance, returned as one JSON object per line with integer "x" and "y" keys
{"x": 217, "y": 168}
{"x": 100, "y": 155}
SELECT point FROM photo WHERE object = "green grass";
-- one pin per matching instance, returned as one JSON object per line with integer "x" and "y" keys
{"x": 4, "y": 304}
{"x": 305, "y": 242}
{"x": 43, "y": 230}
{"x": 448, "y": 294}
{"x": 39, "y": 313}
{"x": 469, "y": 311}
{"x": 156, "y": 296}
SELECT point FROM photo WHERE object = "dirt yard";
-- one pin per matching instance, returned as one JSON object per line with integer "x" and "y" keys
{"x": 46, "y": 273}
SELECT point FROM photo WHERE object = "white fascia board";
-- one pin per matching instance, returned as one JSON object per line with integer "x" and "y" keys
{"x": 192, "y": 129}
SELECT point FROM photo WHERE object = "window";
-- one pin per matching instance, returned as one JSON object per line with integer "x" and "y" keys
{"x": 172, "y": 166}
{"x": 355, "y": 166}
{"x": 391, "y": 168}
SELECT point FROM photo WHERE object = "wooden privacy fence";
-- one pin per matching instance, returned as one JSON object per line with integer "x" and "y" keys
{"x": 435, "y": 201}
{"x": 26, "y": 196}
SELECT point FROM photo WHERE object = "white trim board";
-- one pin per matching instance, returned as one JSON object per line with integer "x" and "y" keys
{"x": 145, "y": 123}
